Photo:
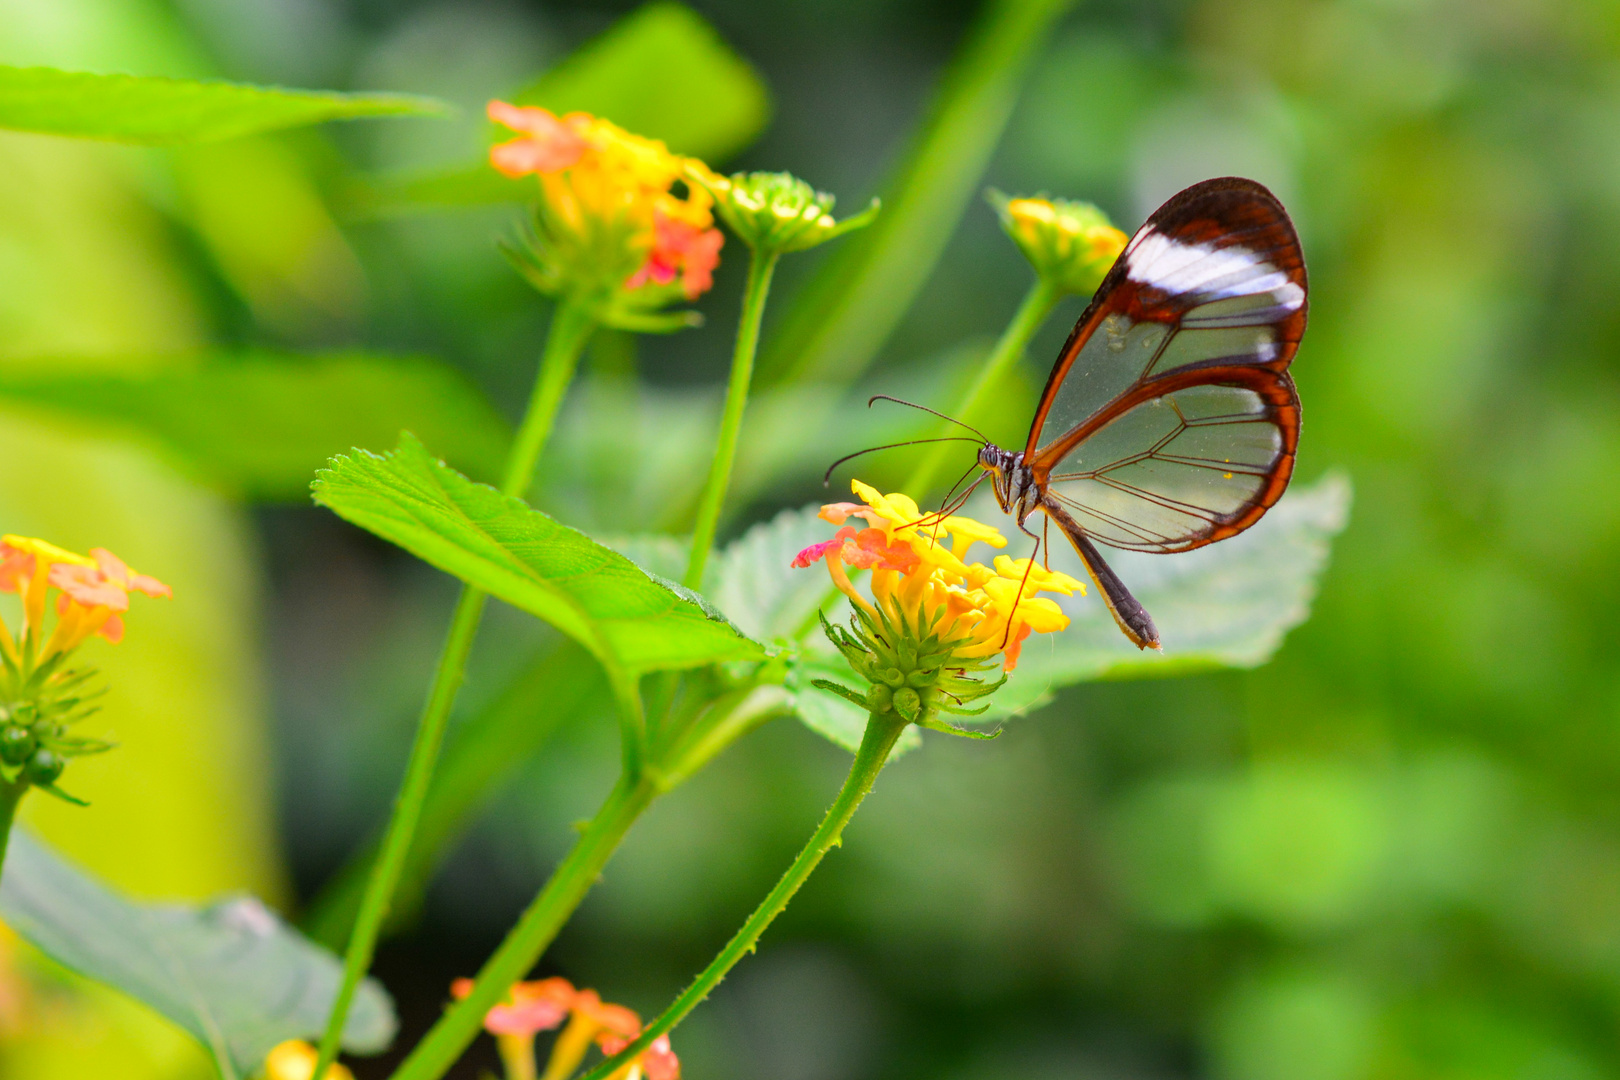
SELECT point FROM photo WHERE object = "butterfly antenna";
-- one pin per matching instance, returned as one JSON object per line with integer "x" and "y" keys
{"x": 826, "y": 477}
{"x": 945, "y": 509}
{"x": 948, "y": 509}
{"x": 926, "y": 409}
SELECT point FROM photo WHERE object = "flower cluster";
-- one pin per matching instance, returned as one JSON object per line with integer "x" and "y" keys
{"x": 533, "y": 1007}
{"x": 933, "y": 616}
{"x": 39, "y": 700}
{"x": 609, "y": 225}
{"x": 776, "y": 212}
{"x": 1070, "y": 244}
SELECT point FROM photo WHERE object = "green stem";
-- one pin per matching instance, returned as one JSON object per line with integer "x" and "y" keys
{"x": 457, "y": 1028}
{"x": 1037, "y": 305}
{"x": 761, "y": 265}
{"x": 11, "y": 793}
{"x": 881, "y": 733}
{"x": 570, "y": 328}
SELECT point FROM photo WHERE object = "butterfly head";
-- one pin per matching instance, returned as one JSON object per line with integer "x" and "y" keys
{"x": 1010, "y": 478}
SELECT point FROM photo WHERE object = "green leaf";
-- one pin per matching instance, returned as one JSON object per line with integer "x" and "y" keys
{"x": 481, "y": 755}
{"x": 231, "y": 974}
{"x": 1225, "y": 605}
{"x": 151, "y": 111}
{"x": 843, "y": 316}
{"x": 260, "y": 424}
{"x": 662, "y": 72}
{"x": 631, "y": 621}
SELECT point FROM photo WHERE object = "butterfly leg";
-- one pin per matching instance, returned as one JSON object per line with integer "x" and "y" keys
{"x": 1133, "y": 619}
{"x": 1030, "y": 566}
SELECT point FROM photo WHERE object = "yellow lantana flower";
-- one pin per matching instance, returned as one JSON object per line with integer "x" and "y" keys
{"x": 610, "y": 223}
{"x": 974, "y": 609}
{"x": 934, "y": 619}
{"x": 296, "y": 1060}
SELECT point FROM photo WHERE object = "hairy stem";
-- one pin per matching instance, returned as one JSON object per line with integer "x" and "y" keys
{"x": 570, "y": 328}
{"x": 881, "y": 733}
{"x": 534, "y": 931}
{"x": 761, "y": 265}
{"x": 1037, "y": 305}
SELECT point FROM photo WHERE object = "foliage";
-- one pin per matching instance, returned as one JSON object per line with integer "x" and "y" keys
{"x": 300, "y": 410}
{"x": 661, "y": 72}
{"x": 149, "y": 111}
{"x": 232, "y": 973}
{"x": 1127, "y": 823}
{"x": 631, "y": 621}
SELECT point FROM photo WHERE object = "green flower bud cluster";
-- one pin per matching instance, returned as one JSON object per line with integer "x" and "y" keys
{"x": 1071, "y": 245}
{"x": 911, "y": 673}
{"x": 777, "y": 212}
{"x": 35, "y": 744}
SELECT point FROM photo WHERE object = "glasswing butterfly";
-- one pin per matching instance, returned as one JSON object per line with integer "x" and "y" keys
{"x": 1169, "y": 420}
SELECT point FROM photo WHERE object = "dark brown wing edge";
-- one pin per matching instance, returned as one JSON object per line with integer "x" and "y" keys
{"x": 1133, "y": 619}
{"x": 1275, "y": 388}
{"x": 1203, "y": 213}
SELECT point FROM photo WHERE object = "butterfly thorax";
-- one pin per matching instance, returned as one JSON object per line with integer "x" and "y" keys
{"x": 1012, "y": 480}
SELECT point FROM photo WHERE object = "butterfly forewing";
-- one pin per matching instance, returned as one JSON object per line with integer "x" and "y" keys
{"x": 1169, "y": 420}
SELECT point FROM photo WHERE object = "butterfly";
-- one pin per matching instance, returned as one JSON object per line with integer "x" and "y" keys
{"x": 1169, "y": 420}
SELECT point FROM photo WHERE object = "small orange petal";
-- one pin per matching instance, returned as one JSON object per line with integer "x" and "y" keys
{"x": 112, "y": 629}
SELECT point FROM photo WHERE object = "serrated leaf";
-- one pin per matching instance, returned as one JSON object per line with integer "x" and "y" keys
{"x": 154, "y": 111}
{"x": 629, "y": 621}
{"x": 662, "y": 72}
{"x": 232, "y": 974}
{"x": 259, "y": 424}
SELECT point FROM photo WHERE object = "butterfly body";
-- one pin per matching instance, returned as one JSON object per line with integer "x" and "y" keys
{"x": 1169, "y": 420}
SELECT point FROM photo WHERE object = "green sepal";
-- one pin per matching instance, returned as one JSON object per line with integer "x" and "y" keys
{"x": 71, "y": 747}
{"x": 960, "y": 732}
{"x": 841, "y": 690}
{"x": 60, "y": 794}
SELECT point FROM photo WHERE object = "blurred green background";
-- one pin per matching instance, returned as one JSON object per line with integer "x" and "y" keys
{"x": 1393, "y": 852}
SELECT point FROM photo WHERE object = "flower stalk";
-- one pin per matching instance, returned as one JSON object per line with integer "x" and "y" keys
{"x": 11, "y": 793}
{"x": 535, "y": 930}
{"x": 1037, "y": 304}
{"x": 882, "y": 730}
{"x": 773, "y": 213}
{"x": 570, "y": 329}
{"x": 761, "y": 266}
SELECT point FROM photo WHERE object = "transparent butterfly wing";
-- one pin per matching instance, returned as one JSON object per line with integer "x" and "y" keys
{"x": 1169, "y": 420}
